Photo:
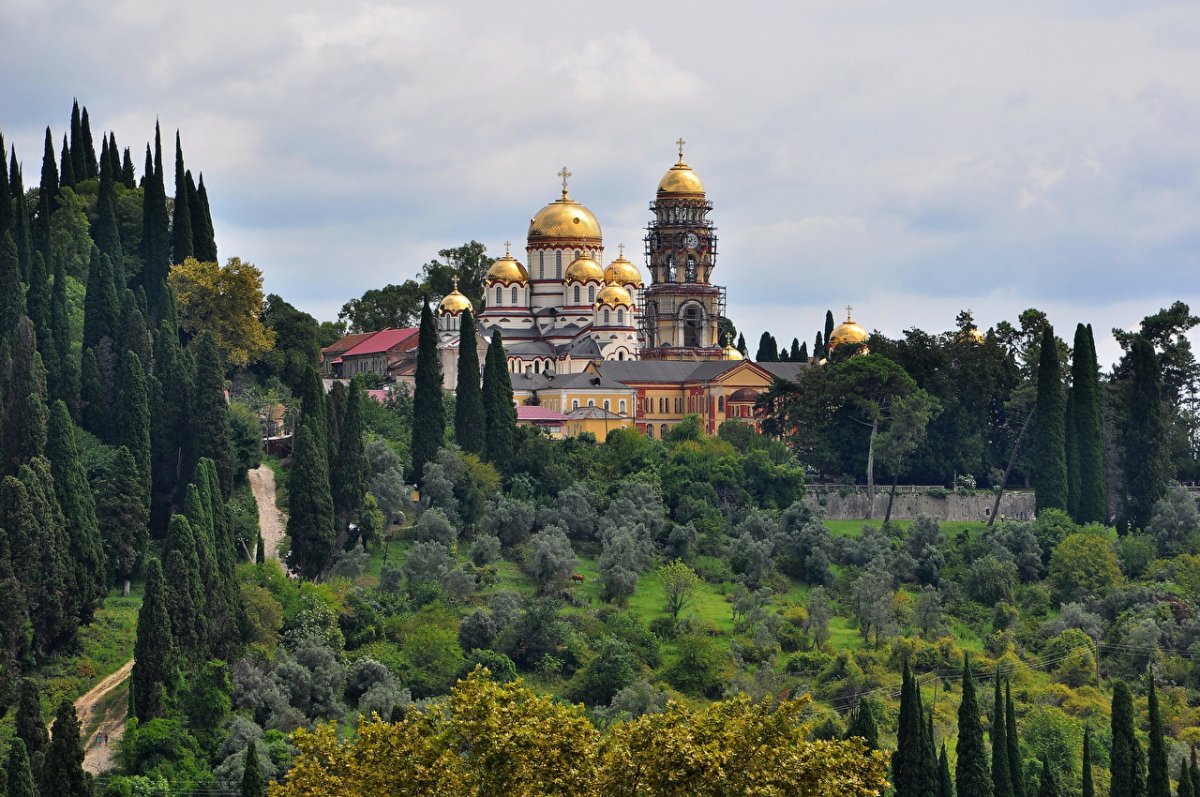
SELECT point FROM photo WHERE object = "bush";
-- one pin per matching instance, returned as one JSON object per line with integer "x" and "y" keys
{"x": 699, "y": 668}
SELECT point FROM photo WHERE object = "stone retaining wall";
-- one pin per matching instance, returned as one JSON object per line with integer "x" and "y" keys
{"x": 908, "y": 505}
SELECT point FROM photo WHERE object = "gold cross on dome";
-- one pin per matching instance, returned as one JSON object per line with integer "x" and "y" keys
{"x": 565, "y": 175}
{"x": 454, "y": 279}
{"x": 507, "y": 247}
{"x": 680, "y": 142}
{"x": 621, "y": 250}
{"x": 849, "y": 310}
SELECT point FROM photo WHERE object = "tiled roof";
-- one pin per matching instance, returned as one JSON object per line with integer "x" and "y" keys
{"x": 665, "y": 371}
{"x": 347, "y": 343}
{"x": 526, "y": 412}
{"x": 789, "y": 371}
{"x": 382, "y": 341}
{"x": 595, "y": 413}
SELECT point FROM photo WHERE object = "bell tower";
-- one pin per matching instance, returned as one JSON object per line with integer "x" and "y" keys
{"x": 682, "y": 309}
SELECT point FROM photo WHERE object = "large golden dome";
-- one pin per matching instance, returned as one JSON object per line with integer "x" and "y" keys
{"x": 507, "y": 270}
{"x": 564, "y": 219}
{"x": 584, "y": 269}
{"x": 613, "y": 296}
{"x": 680, "y": 179}
{"x": 847, "y": 332}
{"x": 454, "y": 303}
{"x": 730, "y": 352}
{"x": 623, "y": 272}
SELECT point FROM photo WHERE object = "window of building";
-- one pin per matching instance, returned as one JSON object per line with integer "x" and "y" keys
{"x": 662, "y": 430}
{"x": 649, "y": 430}
{"x": 720, "y": 403}
{"x": 592, "y": 293}
{"x": 576, "y": 294}
{"x": 541, "y": 265}
{"x": 574, "y": 404}
{"x": 607, "y": 405}
{"x": 620, "y": 318}
{"x": 606, "y": 318}
{"x": 514, "y": 294}
{"x": 558, "y": 265}
{"x": 591, "y": 402}
{"x": 621, "y": 406}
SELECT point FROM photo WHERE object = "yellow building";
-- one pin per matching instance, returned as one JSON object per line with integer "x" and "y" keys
{"x": 596, "y": 421}
{"x": 566, "y": 393}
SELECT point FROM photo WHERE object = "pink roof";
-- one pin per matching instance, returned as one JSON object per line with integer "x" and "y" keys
{"x": 384, "y": 340}
{"x": 379, "y": 395}
{"x": 527, "y": 412}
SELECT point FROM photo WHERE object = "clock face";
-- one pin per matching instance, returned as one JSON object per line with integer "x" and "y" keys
{"x": 691, "y": 240}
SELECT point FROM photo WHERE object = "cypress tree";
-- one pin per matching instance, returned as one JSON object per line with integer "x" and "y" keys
{"x": 1093, "y": 494}
{"x": 829, "y": 325}
{"x": 121, "y": 514}
{"x": 6, "y": 205}
{"x": 37, "y": 307}
{"x": 335, "y": 412}
{"x": 311, "y": 518}
{"x": 181, "y": 223}
{"x": 1047, "y": 786}
{"x": 1145, "y": 462}
{"x": 25, "y": 411}
{"x": 47, "y": 197}
{"x": 197, "y": 507}
{"x": 79, "y": 511}
{"x": 767, "y": 349}
{"x": 22, "y": 227}
{"x": 469, "y": 419}
{"x": 114, "y": 157}
{"x": 945, "y": 782}
{"x": 499, "y": 411}
{"x": 29, "y": 725}
{"x": 795, "y": 355}
{"x": 210, "y": 414}
{"x": 863, "y": 725}
{"x": 929, "y": 762}
{"x": 169, "y": 413}
{"x": 1001, "y": 772}
{"x": 1123, "y": 761}
{"x": 106, "y": 231}
{"x": 156, "y": 236}
{"x": 1184, "y": 788}
{"x": 819, "y": 348}
{"x": 1088, "y": 788}
{"x": 349, "y": 475}
{"x": 196, "y": 215}
{"x": 1195, "y": 773}
{"x": 208, "y": 238}
{"x": 1139, "y": 768}
{"x": 313, "y": 409}
{"x": 1050, "y": 455}
{"x": 94, "y": 410}
{"x": 89, "y": 149}
{"x": 1072, "y": 452}
{"x": 153, "y": 669}
{"x": 252, "y": 781}
{"x": 62, "y": 772}
{"x": 741, "y": 345}
{"x": 971, "y": 778}
{"x": 19, "y": 771}
{"x": 133, "y": 418}
{"x": 803, "y": 358}
{"x": 63, "y": 377}
{"x": 78, "y": 160}
{"x": 1016, "y": 777}
{"x": 906, "y": 758}
{"x": 66, "y": 173}
{"x": 185, "y": 590}
{"x": 101, "y": 308}
{"x": 135, "y": 337}
{"x": 226, "y": 635}
{"x": 128, "y": 179}
{"x": 1158, "y": 780}
{"x": 12, "y": 305}
{"x": 429, "y": 419}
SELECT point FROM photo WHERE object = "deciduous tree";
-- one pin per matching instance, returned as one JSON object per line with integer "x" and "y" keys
{"x": 226, "y": 301}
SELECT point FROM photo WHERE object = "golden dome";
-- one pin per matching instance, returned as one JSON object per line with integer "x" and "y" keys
{"x": 680, "y": 179}
{"x": 623, "y": 272}
{"x": 613, "y": 296}
{"x": 584, "y": 269}
{"x": 730, "y": 352}
{"x": 454, "y": 303}
{"x": 976, "y": 337}
{"x": 507, "y": 270}
{"x": 848, "y": 332}
{"x": 564, "y": 219}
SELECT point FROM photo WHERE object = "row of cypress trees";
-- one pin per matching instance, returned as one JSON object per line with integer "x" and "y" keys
{"x": 918, "y": 772}
{"x": 41, "y": 763}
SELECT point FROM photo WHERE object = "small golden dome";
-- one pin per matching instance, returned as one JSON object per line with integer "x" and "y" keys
{"x": 976, "y": 337}
{"x": 613, "y": 296}
{"x": 454, "y": 303}
{"x": 680, "y": 179}
{"x": 623, "y": 272}
{"x": 730, "y": 352}
{"x": 507, "y": 270}
{"x": 584, "y": 269}
{"x": 848, "y": 332}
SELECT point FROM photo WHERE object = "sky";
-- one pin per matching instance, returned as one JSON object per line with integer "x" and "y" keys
{"x": 909, "y": 159}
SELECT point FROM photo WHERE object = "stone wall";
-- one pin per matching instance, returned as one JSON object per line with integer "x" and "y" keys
{"x": 1015, "y": 505}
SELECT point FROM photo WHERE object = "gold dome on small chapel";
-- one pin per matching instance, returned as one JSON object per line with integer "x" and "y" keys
{"x": 584, "y": 269}
{"x": 613, "y": 296}
{"x": 454, "y": 303}
{"x": 847, "y": 332}
{"x": 507, "y": 270}
{"x": 622, "y": 272}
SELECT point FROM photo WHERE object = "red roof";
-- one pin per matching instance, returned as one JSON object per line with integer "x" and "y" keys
{"x": 526, "y": 412}
{"x": 380, "y": 395}
{"x": 347, "y": 343}
{"x": 382, "y": 341}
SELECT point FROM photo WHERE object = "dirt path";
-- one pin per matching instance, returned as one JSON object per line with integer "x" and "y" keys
{"x": 103, "y": 731}
{"x": 271, "y": 519}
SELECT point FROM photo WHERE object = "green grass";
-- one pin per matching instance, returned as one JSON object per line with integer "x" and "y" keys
{"x": 951, "y": 529}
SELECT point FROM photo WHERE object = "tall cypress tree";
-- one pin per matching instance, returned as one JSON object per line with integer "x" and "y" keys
{"x": 929, "y": 757}
{"x": 1001, "y": 772}
{"x": 971, "y": 778}
{"x": 310, "y": 523}
{"x": 1048, "y": 786}
{"x": 128, "y": 178}
{"x": 30, "y": 726}
{"x": 945, "y": 782}
{"x": 429, "y": 417}
{"x": 741, "y": 345}
{"x": 1093, "y": 494}
{"x": 153, "y": 653}
{"x": 210, "y": 414}
{"x": 906, "y": 758}
{"x": 252, "y": 780}
{"x": 1123, "y": 761}
{"x": 768, "y": 351}
{"x": 114, "y": 156}
{"x": 156, "y": 236}
{"x": 1158, "y": 778}
{"x": 101, "y": 308}
{"x": 6, "y": 205}
{"x": 469, "y": 419}
{"x": 794, "y": 354}
{"x": 20, "y": 773}
{"x": 829, "y": 324}
{"x": 196, "y": 213}
{"x": 1016, "y": 777}
{"x": 819, "y": 348}
{"x": 1050, "y": 455}
{"x": 63, "y": 377}
{"x": 349, "y": 474}
{"x": 106, "y": 231}
{"x": 89, "y": 149}
{"x": 185, "y": 592}
{"x": 25, "y": 413}
{"x": 169, "y": 413}
{"x": 1145, "y": 463}
{"x": 863, "y": 725}
{"x": 37, "y": 307}
{"x": 181, "y": 224}
{"x": 204, "y": 236}
{"x": 79, "y": 511}
{"x": 66, "y": 172}
{"x": 95, "y": 412}
{"x": 12, "y": 304}
{"x": 499, "y": 410}
{"x": 78, "y": 160}
{"x": 47, "y": 197}
{"x": 62, "y": 771}
{"x": 22, "y": 219}
{"x": 1184, "y": 788}
{"x": 1071, "y": 448}
{"x": 313, "y": 407}
{"x": 121, "y": 514}
{"x": 1088, "y": 788}
{"x": 133, "y": 418}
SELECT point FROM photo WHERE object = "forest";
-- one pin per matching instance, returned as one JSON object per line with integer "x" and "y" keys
{"x": 465, "y": 606}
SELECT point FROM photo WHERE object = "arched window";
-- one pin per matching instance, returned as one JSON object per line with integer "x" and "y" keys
{"x": 576, "y": 294}
{"x": 606, "y": 317}
{"x": 693, "y": 321}
{"x": 591, "y": 293}
{"x": 621, "y": 406}
{"x": 649, "y": 430}
{"x": 498, "y": 299}
{"x": 541, "y": 265}
{"x": 558, "y": 265}
{"x": 621, "y": 355}
{"x": 662, "y": 430}
{"x": 720, "y": 403}
{"x": 574, "y": 404}
{"x": 591, "y": 402}
{"x": 691, "y": 268}
{"x": 620, "y": 318}
{"x": 514, "y": 294}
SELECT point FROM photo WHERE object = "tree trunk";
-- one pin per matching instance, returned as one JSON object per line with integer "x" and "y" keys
{"x": 1012, "y": 458}
{"x": 891, "y": 497}
{"x": 871, "y": 470}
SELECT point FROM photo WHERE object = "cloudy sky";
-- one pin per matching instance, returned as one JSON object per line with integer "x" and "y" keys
{"x": 911, "y": 159}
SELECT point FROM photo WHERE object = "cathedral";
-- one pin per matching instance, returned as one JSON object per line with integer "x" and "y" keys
{"x": 562, "y": 309}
